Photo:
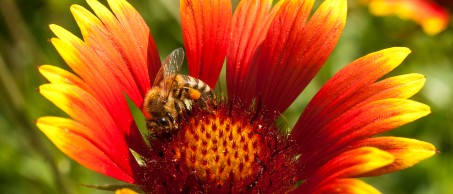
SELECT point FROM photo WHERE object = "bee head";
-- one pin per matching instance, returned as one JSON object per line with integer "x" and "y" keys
{"x": 158, "y": 119}
{"x": 153, "y": 104}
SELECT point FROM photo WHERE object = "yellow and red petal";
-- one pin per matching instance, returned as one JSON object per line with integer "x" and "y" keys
{"x": 347, "y": 186}
{"x": 123, "y": 42}
{"x": 85, "y": 146}
{"x": 293, "y": 51}
{"x": 57, "y": 75}
{"x": 432, "y": 17}
{"x": 403, "y": 86}
{"x": 346, "y": 165}
{"x": 371, "y": 119}
{"x": 358, "y": 124}
{"x": 134, "y": 38}
{"x": 85, "y": 63}
{"x": 206, "y": 28}
{"x": 101, "y": 40}
{"x": 84, "y": 108}
{"x": 92, "y": 69}
{"x": 251, "y": 21}
{"x": 352, "y": 85}
{"x": 138, "y": 31}
{"x": 407, "y": 152}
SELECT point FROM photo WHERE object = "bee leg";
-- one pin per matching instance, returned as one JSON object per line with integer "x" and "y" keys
{"x": 203, "y": 104}
{"x": 199, "y": 99}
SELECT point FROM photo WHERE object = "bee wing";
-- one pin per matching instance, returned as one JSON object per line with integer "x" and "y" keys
{"x": 170, "y": 68}
{"x": 173, "y": 63}
{"x": 159, "y": 77}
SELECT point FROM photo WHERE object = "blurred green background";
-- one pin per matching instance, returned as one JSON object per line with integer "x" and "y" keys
{"x": 29, "y": 163}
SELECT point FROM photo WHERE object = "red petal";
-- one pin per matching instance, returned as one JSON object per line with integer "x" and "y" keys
{"x": 251, "y": 21}
{"x": 137, "y": 30}
{"x": 294, "y": 51}
{"x": 206, "y": 31}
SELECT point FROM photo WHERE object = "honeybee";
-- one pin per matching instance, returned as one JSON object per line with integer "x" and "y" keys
{"x": 172, "y": 94}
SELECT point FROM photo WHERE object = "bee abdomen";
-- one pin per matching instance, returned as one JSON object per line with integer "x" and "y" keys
{"x": 203, "y": 88}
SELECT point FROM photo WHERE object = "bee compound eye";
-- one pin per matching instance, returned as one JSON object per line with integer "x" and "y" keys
{"x": 162, "y": 121}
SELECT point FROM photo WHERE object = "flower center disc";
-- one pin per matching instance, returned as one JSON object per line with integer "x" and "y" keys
{"x": 220, "y": 149}
{"x": 234, "y": 149}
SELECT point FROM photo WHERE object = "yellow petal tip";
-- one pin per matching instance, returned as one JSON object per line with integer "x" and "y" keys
{"x": 125, "y": 191}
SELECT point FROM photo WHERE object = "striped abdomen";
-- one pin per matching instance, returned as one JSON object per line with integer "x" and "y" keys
{"x": 187, "y": 87}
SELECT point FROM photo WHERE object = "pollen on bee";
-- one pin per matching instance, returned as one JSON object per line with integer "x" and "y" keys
{"x": 194, "y": 94}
